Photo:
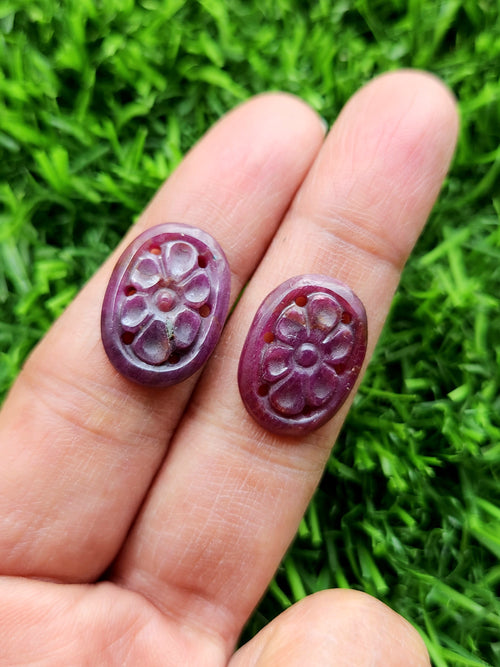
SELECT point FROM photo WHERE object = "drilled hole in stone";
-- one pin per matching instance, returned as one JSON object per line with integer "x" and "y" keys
{"x": 301, "y": 300}
{"x": 204, "y": 310}
{"x": 202, "y": 261}
{"x": 174, "y": 358}
{"x": 155, "y": 250}
{"x": 268, "y": 337}
{"x": 127, "y": 337}
{"x": 307, "y": 411}
{"x": 263, "y": 390}
{"x": 130, "y": 291}
{"x": 346, "y": 317}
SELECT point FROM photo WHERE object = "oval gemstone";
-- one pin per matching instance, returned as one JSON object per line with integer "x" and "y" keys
{"x": 303, "y": 354}
{"x": 165, "y": 304}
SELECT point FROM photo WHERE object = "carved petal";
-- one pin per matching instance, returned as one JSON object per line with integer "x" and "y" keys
{"x": 186, "y": 327}
{"x": 197, "y": 290}
{"x": 321, "y": 386}
{"x": 276, "y": 363}
{"x": 324, "y": 315}
{"x": 146, "y": 273}
{"x": 134, "y": 312}
{"x": 339, "y": 346}
{"x": 180, "y": 259}
{"x": 152, "y": 345}
{"x": 288, "y": 397}
{"x": 291, "y": 327}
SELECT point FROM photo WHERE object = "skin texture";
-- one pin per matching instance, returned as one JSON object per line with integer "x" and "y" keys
{"x": 303, "y": 354}
{"x": 177, "y": 494}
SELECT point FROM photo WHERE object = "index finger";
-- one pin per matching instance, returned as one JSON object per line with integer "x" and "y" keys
{"x": 79, "y": 443}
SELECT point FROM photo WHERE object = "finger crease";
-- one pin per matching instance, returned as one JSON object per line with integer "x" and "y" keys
{"x": 67, "y": 403}
{"x": 351, "y": 234}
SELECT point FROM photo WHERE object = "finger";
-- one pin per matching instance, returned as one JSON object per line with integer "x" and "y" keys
{"x": 338, "y": 628}
{"x": 79, "y": 443}
{"x": 227, "y": 504}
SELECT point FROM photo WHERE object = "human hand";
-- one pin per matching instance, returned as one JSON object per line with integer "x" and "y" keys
{"x": 176, "y": 494}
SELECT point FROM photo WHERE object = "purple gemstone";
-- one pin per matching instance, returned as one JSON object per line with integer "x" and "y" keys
{"x": 165, "y": 304}
{"x": 303, "y": 354}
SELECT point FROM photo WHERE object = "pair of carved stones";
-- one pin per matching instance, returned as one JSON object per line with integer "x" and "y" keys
{"x": 166, "y": 304}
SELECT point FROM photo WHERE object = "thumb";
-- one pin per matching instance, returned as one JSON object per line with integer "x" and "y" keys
{"x": 338, "y": 628}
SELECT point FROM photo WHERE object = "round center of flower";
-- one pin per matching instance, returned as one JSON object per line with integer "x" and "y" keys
{"x": 165, "y": 300}
{"x": 306, "y": 355}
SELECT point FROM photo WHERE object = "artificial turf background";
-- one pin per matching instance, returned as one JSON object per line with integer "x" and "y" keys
{"x": 98, "y": 103}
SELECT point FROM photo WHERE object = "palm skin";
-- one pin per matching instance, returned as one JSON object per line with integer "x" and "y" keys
{"x": 184, "y": 502}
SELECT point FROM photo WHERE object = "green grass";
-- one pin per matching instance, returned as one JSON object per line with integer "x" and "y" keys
{"x": 98, "y": 103}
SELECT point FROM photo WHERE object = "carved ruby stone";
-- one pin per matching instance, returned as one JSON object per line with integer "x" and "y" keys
{"x": 165, "y": 304}
{"x": 303, "y": 354}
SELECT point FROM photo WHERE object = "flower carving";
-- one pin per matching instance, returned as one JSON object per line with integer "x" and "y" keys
{"x": 165, "y": 300}
{"x": 306, "y": 354}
